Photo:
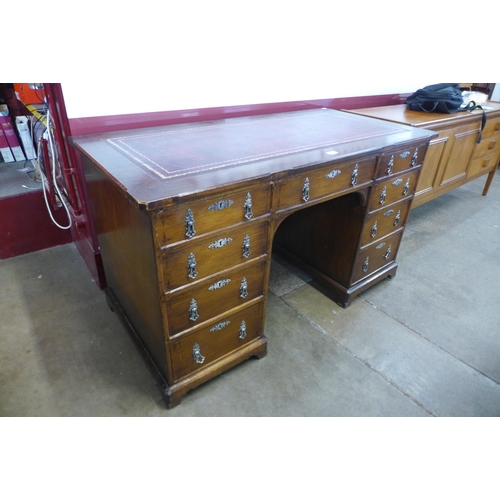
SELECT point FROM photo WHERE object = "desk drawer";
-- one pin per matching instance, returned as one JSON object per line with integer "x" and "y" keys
{"x": 193, "y": 305}
{"x": 398, "y": 161}
{"x": 375, "y": 256}
{"x": 393, "y": 189}
{"x": 188, "y": 221}
{"x": 323, "y": 182}
{"x": 192, "y": 261}
{"x": 198, "y": 349}
{"x": 384, "y": 221}
{"x": 492, "y": 127}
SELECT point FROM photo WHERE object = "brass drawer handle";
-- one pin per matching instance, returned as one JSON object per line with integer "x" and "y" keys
{"x": 383, "y": 195}
{"x": 244, "y": 288}
{"x": 390, "y": 165}
{"x": 486, "y": 162}
{"x": 197, "y": 354}
{"x": 407, "y": 187}
{"x": 243, "y": 330}
{"x": 414, "y": 159}
{"x": 247, "y": 206}
{"x": 305, "y": 190}
{"x": 193, "y": 310}
{"x": 396, "y": 219}
{"x": 190, "y": 231}
{"x": 246, "y": 246}
{"x": 192, "y": 272}
{"x": 387, "y": 253}
{"x": 365, "y": 264}
{"x": 492, "y": 144}
{"x": 354, "y": 177}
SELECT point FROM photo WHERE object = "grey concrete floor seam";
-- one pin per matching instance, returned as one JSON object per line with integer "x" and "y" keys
{"x": 361, "y": 360}
{"x": 416, "y": 332}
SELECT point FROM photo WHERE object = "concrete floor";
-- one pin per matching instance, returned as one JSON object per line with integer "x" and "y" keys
{"x": 426, "y": 343}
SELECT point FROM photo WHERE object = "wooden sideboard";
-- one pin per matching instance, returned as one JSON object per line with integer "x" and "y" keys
{"x": 455, "y": 156}
{"x": 187, "y": 216}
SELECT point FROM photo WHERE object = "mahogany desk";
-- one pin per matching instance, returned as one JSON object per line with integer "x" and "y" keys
{"x": 187, "y": 216}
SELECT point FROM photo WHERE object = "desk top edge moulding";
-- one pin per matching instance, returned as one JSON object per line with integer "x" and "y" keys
{"x": 188, "y": 217}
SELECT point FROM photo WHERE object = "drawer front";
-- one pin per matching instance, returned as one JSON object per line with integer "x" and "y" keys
{"x": 487, "y": 146}
{"x": 374, "y": 257}
{"x": 196, "y": 350}
{"x": 179, "y": 224}
{"x": 392, "y": 190}
{"x": 403, "y": 159}
{"x": 198, "y": 303}
{"x": 324, "y": 182}
{"x": 492, "y": 127}
{"x": 385, "y": 221}
{"x": 190, "y": 262}
{"x": 484, "y": 164}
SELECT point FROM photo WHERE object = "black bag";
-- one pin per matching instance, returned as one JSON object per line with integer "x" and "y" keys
{"x": 439, "y": 98}
{"x": 442, "y": 98}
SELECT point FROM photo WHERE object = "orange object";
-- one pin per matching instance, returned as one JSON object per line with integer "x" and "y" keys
{"x": 28, "y": 95}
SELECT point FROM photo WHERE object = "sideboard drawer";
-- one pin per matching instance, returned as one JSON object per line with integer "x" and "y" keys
{"x": 393, "y": 189}
{"x": 484, "y": 164}
{"x": 398, "y": 161}
{"x": 195, "y": 304}
{"x": 492, "y": 127}
{"x": 178, "y": 224}
{"x": 192, "y": 261}
{"x": 196, "y": 350}
{"x": 375, "y": 256}
{"x": 486, "y": 147}
{"x": 384, "y": 221}
{"x": 323, "y": 182}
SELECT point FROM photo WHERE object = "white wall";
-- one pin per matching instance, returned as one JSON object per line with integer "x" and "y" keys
{"x": 217, "y": 53}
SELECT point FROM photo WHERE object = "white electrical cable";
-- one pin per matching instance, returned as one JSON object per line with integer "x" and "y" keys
{"x": 51, "y": 145}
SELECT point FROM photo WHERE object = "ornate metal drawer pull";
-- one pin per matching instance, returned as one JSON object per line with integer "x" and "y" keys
{"x": 247, "y": 207}
{"x": 305, "y": 190}
{"x": 246, "y": 246}
{"x": 406, "y": 188}
{"x": 389, "y": 212}
{"x": 192, "y": 272}
{"x": 190, "y": 231}
{"x": 397, "y": 182}
{"x": 390, "y": 165}
{"x": 197, "y": 354}
{"x": 414, "y": 160}
{"x": 405, "y": 154}
{"x": 354, "y": 177}
{"x": 220, "y": 243}
{"x": 396, "y": 219}
{"x": 220, "y": 326}
{"x": 220, "y": 205}
{"x": 333, "y": 174}
{"x": 383, "y": 195}
{"x": 193, "y": 310}
{"x": 387, "y": 253}
{"x": 219, "y": 284}
{"x": 365, "y": 264}
{"x": 244, "y": 288}
{"x": 243, "y": 330}
{"x": 382, "y": 245}
{"x": 374, "y": 230}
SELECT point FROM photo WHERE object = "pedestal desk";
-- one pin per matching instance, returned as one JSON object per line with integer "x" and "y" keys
{"x": 187, "y": 216}
{"x": 455, "y": 156}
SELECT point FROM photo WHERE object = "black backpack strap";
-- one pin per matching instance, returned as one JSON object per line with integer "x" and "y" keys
{"x": 471, "y": 105}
